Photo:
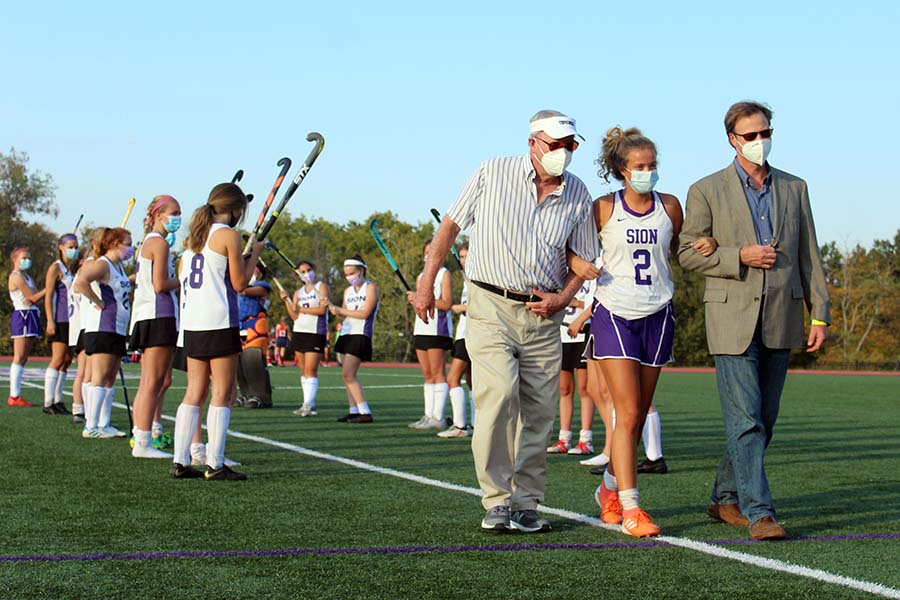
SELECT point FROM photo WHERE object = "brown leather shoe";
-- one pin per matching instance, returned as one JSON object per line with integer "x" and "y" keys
{"x": 767, "y": 529}
{"x": 727, "y": 513}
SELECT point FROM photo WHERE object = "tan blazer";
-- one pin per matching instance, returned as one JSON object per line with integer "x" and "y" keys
{"x": 717, "y": 207}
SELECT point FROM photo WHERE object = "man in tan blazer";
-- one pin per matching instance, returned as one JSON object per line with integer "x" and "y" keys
{"x": 765, "y": 269}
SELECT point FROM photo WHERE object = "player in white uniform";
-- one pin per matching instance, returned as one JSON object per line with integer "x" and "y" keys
{"x": 309, "y": 310}
{"x": 56, "y": 304}
{"x": 355, "y": 343}
{"x": 106, "y": 287}
{"x": 460, "y": 366}
{"x": 432, "y": 340}
{"x": 81, "y": 387}
{"x": 574, "y": 371}
{"x": 212, "y": 271}
{"x": 154, "y": 323}
{"x": 25, "y": 322}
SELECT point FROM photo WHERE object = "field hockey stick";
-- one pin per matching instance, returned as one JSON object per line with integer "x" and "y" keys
{"x": 78, "y": 224}
{"x": 127, "y": 403}
{"x": 285, "y": 164}
{"x": 128, "y": 212}
{"x": 263, "y": 264}
{"x": 453, "y": 250}
{"x": 298, "y": 179}
{"x": 387, "y": 253}
{"x": 270, "y": 245}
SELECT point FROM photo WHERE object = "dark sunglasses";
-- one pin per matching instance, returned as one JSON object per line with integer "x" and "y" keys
{"x": 749, "y": 137}
{"x": 571, "y": 145}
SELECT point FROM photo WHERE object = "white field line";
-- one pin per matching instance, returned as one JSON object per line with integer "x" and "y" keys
{"x": 698, "y": 546}
{"x": 328, "y": 387}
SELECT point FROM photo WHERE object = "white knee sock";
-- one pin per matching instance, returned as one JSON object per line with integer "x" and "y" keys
{"x": 186, "y": 419}
{"x": 60, "y": 386}
{"x": 106, "y": 407}
{"x": 310, "y": 386}
{"x": 458, "y": 403}
{"x": 16, "y": 372}
{"x": 86, "y": 398}
{"x": 217, "y": 418}
{"x": 51, "y": 376}
{"x": 440, "y": 400}
{"x": 652, "y": 436}
{"x": 471, "y": 408}
{"x": 428, "y": 395}
{"x": 95, "y": 406}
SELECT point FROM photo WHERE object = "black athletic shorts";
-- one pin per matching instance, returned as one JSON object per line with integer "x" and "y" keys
{"x": 62, "y": 334}
{"x": 104, "y": 343}
{"x": 308, "y": 342}
{"x": 427, "y": 342}
{"x": 573, "y": 355}
{"x": 281, "y": 342}
{"x": 459, "y": 350}
{"x": 79, "y": 344}
{"x": 212, "y": 344}
{"x": 153, "y": 332}
{"x": 357, "y": 345}
{"x": 179, "y": 360}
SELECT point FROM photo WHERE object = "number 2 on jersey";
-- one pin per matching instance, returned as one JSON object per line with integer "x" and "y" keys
{"x": 642, "y": 263}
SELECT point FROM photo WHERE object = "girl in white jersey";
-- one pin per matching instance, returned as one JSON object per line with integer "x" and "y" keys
{"x": 212, "y": 272}
{"x": 309, "y": 310}
{"x": 632, "y": 328}
{"x": 25, "y": 322}
{"x": 56, "y": 304}
{"x": 432, "y": 340}
{"x": 460, "y": 366}
{"x": 154, "y": 322}
{"x": 81, "y": 387}
{"x": 355, "y": 343}
{"x": 106, "y": 287}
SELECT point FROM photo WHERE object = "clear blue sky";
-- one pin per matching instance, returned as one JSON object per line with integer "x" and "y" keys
{"x": 122, "y": 99}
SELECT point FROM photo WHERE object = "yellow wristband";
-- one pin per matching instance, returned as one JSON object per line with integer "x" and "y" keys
{"x": 818, "y": 322}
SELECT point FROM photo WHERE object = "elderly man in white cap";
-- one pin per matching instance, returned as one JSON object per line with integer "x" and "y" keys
{"x": 523, "y": 213}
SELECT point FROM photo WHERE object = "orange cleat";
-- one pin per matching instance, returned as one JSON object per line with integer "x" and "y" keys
{"x": 18, "y": 401}
{"x": 637, "y": 523}
{"x": 610, "y": 507}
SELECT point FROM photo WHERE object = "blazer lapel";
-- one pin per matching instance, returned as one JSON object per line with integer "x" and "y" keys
{"x": 778, "y": 207}
{"x": 734, "y": 191}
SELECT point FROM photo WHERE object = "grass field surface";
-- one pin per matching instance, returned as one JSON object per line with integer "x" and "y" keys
{"x": 335, "y": 510}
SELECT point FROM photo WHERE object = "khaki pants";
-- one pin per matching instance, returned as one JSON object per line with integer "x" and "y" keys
{"x": 516, "y": 357}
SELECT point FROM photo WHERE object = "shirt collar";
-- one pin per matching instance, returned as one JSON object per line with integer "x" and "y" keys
{"x": 745, "y": 177}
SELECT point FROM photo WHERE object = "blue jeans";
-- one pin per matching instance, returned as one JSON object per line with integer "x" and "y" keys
{"x": 750, "y": 386}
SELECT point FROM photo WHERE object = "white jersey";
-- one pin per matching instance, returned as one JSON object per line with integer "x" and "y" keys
{"x": 440, "y": 325}
{"x": 208, "y": 302}
{"x": 18, "y": 297}
{"x": 305, "y": 323}
{"x": 356, "y": 300}
{"x": 61, "y": 292}
{"x": 636, "y": 280}
{"x": 75, "y": 325}
{"x": 116, "y": 311}
{"x": 461, "y": 319}
{"x": 148, "y": 304}
{"x": 586, "y": 294}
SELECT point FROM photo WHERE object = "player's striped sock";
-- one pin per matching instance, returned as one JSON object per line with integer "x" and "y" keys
{"x": 217, "y": 418}
{"x": 652, "y": 436}
{"x": 51, "y": 376}
{"x": 440, "y": 400}
{"x": 186, "y": 419}
{"x": 458, "y": 404}
{"x": 428, "y": 395}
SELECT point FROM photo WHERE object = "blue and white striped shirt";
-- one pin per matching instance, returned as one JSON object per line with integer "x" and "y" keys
{"x": 515, "y": 242}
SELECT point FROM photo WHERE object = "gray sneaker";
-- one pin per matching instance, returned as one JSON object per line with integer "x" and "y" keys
{"x": 529, "y": 521}
{"x": 496, "y": 519}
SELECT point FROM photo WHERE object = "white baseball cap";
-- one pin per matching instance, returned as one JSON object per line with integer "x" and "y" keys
{"x": 557, "y": 127}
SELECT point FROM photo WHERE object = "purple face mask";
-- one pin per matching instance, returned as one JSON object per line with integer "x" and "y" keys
{"x": 355, "y": 280}
{"x": 127, "y": 253}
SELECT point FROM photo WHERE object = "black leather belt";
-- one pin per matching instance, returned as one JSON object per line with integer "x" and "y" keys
{"x": 506, "y": 293}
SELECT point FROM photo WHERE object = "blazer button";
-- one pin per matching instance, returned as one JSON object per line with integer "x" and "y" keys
{"x": 756, "y": 299}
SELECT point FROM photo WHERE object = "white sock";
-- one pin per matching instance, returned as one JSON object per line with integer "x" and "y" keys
{"x": 652, "y": 436}
{"x": 98, "y": 396}
{"x": 364, "y": 408}
{"x": 609, "y": 481}
{"x": 630, "y": 499}
{"x": 77, "y": 409}
{"x": 156, "y": 429}
{"x": 50, "y": 378}
{"x": 106, "y": 407}
{"x": 428, "y": 395}
{"x": 441, "y": 390}
{"x": 586, "y": 436}
{"x": 60, "y": 386}
{"x": 217, "y": 418}
{"x": 458, "y": 403}
{"x": 354, "y": 410}
{"x": 15, "y": 379}
{"x": 86, "y": 398}
{"x": 186, "y": 419}
{"x": 565, "y": 435}
{"x": 141, "y": 438}
{"x": 198, "y": 453}
{"x": 310, "y": 386}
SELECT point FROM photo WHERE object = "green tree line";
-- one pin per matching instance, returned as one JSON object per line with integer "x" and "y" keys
{"x": 864, "y": 282}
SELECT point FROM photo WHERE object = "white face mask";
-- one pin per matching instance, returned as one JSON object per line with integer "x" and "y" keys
{"x": 643, "y": 182}
{"x": 757, "y": 151}
{"x": 556, "y": 161}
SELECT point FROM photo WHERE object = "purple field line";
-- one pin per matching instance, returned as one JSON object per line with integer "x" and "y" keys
{"x": 416, "y": 549}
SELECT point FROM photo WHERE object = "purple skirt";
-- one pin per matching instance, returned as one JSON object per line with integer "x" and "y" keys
{"x": 25, "y": 323}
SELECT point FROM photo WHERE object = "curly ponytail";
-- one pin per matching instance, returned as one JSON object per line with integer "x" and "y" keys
{"x": 617, "y": 145}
